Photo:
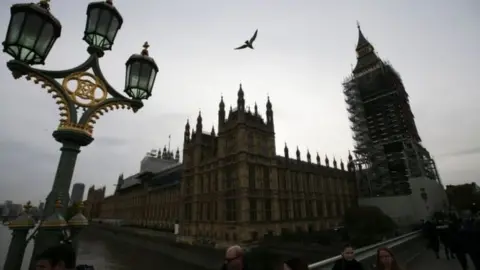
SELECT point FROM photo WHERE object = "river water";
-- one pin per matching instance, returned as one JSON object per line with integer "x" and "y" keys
{"x": 105, "y": 253}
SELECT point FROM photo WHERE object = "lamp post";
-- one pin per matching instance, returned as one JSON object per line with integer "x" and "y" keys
{"x": 20, "y": 228}
{"x": 77, "y": 223}
{"x": 82, "y": 96}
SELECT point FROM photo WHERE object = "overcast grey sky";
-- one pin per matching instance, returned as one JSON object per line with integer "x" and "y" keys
{"x": 303, "y": 52}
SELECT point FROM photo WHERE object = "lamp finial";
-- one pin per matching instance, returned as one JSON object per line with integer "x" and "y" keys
{"x": 45, "y": 4}
{"x": 145, "y": 48}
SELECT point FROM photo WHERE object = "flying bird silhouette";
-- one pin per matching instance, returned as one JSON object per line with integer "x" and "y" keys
{"x": 248, "y": 43}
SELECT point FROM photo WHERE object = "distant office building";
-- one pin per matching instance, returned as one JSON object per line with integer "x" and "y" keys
{"x": 41, "y": 206}
{"x": 77, "y": 193}
{"x": 6, "y": 208}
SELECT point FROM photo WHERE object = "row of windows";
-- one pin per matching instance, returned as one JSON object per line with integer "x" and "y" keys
{"x": 159, "y": 203}
{"x": 259, "y": 178}
{"x": 254, "y": 235}
{"x": 227, "y": 236}
{"x": 254, "y": 181}
{"x": 259, "y": 213}
{"x": 209, "y": 211}
{"x": 310, "y": 182}
{"x": 164, "y": 213}
{"x": 262, "y": 210}
{"x": 300, "y": 209}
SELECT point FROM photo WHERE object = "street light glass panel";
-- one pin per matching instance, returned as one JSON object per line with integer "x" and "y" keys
{"x": 103, "y": 23}
{"x": 140, "y": 76}
{"x": 31, "y": 33}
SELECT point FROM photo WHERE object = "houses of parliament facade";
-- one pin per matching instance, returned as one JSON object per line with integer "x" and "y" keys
{"x": 233, "y": 187}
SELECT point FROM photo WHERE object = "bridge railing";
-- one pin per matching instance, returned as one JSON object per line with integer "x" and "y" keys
{"x": 367, "y": 253}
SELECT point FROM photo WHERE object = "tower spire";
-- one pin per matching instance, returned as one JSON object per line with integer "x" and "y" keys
{"x": 285, "y": 150}
{"x": 222, "y": 104}
{"x": 269, "y": 114}
{"x": 198, "y": 135}
{"x": 169, "y": 140}
{"x": 186, "y": 134}
{"x": 241, "y": 99}
{"x": 366, "y": 57}
{"x": 212, "y": 133}
{"x": 362, "y": 41}
{"x": 177, "y": 155}
{"x": 221, "y": 114}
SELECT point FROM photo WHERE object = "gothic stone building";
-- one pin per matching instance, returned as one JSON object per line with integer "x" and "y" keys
{"x": 94, "y": 201}
{"x": 149, "y": 198}
{"x": 236, "y": 189}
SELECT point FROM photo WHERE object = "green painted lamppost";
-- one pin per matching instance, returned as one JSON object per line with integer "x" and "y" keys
{"x": 52, "y": 230}
{"x": 31, "y": 34}
{"x": 20, "y": 228}
{"x": 58, "y": 231}
{"x": 77, "y": 223}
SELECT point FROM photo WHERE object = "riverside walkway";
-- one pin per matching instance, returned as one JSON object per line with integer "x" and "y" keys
{"x": 426, "y": 260}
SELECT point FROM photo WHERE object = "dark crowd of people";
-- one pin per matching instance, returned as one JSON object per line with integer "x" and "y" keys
{"x": 63, "y": 257}
{"x": 237, "y": 259}
{"x": 460, "y": 239}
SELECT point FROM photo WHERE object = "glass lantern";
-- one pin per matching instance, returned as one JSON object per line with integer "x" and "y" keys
{"x": 140, "y": 75}
{"x": 103, "y": 23}
{"x": 31, "y": 33}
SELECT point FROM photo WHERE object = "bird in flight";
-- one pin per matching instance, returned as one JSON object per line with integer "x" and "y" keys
{"x": 248, "y": 43}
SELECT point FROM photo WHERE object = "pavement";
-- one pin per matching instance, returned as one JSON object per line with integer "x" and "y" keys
{"x": 138, "y": 231}
{"x": 426, "y": 260}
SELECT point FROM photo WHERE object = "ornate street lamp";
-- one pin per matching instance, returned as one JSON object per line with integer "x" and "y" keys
{"x": 31, "y": 34}
{"x": 140, "y": 76}
{"x": 103, "y": 23}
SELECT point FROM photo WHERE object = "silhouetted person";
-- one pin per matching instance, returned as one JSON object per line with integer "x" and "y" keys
{"x": 233, "y": 258}
{"x": 61, "y": 257}
{"x": 459, "y": 243}
{"x": 347, "y": 262}
{"x": 430, "y": 232}
{"x": 473, "y": 246}
{"x": 295, "y": 264}
{"x": 386, "y": 260}
{"x": 445, "y": 236}
{"x": 261, "y": 259}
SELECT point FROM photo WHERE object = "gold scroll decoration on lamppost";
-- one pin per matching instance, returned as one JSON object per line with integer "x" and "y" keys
{"x": 85, "y": 89}
{"x": 65, "y": 114}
